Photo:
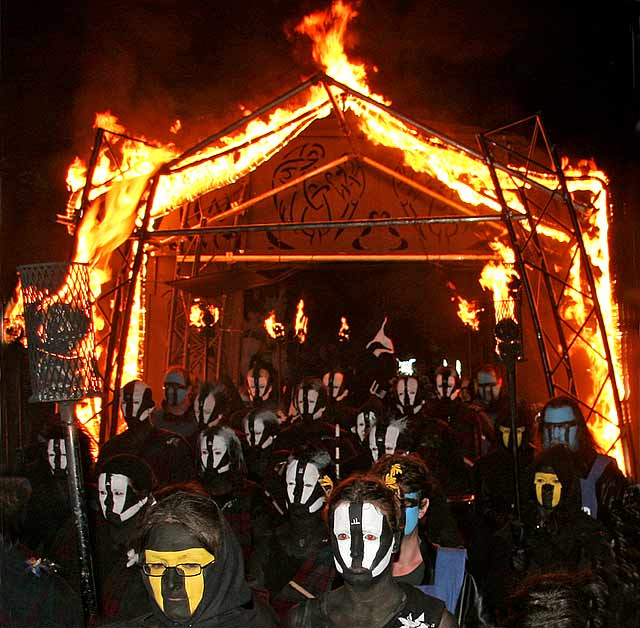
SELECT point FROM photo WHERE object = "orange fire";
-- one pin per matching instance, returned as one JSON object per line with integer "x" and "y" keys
{"x": 203, "y": 314}
{"x": 273, "y": 327}
{"x": 302, "y": 323}
{"x": 119, "y": 187}
{"x": 468, "y": 312}
{"x": 496, "y": 277}
{"x": 344, "y": 333}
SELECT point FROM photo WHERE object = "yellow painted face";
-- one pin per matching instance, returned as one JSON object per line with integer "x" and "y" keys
{"x": 547, "y": 479}
{"x": 194, "y": 585}
{"x": 505, "y": 432}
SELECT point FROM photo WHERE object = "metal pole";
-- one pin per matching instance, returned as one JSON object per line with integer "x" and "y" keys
{"x": 77, "y": 498}
{"x": 328, "y": 224}
{"x": 343, "y": 257}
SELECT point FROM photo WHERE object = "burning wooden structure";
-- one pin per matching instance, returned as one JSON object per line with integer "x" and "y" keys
{"x": 329, "y": 172}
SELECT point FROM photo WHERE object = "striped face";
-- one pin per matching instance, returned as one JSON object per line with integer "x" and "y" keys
{"x": 383, "y": 440}
{"x": 204, "y": 407}
{"x": 118, "y": 499}
{"x": 407, "y": 393}
{"x": 304, "y": 487}
{"x": 362, "y": 541}
{"x": 57, "y": 456}
{"x": 214, "y": 453}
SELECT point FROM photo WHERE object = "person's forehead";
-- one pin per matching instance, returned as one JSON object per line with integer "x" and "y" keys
{"x": 171, "y": 537}
{"x": 563, "y": 414}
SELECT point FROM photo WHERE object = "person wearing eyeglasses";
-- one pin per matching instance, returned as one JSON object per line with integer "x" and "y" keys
{"x": 192, "y": 568}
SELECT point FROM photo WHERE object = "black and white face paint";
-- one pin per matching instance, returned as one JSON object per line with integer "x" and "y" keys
{"x": 488, "y": 386}
{"x": 137, "y": 402}
{"x": 308, "y": 403}
{"x": 335, "y": 385}
{"x": 383, "y": 440}
{"x": 259, "y": 385}
{"x": 305, "y": 487}
{"x": 362, "y": 541}
{"x": 118, "y": 499}
{"x": 204, "y": 408}
{"x": 365, "y": 421}
{"x": 214, "y": 454}
{"x": 407, "y": 393}
{"x": 57, "y": 457}
{"x": 255, "y": 431}
{"x": 447, "y": 385}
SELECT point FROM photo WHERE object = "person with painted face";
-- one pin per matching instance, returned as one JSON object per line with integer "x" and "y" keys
{"x": 211, "y": 405}
{"x": 601, "y": 481}
{"x": 388, "y": 438}
{"x": 433, "y": 439}
{"x": 224, "y": 475}
{"x": 260, "y": 385}
{"x": 365, "y": 526}
{"x": 299, "y": 563}
{"x": 49, "y": 507}
{"x": 494, "y": 481}
{"x": 191, "y": 566}
{"x": 467, "y": 424}
{"x": 168, "y": 454}
{"x": 176, "y": 414}
{"x": 337, "y": 383}
{"x": 555, "y": 536}
{"x": 310, "y": 426}
{"x": 437, "y": 570}
{"x": 124, "y": 492}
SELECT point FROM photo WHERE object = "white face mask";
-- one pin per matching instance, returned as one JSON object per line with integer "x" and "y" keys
{"x": 254, "y": 434}
{"x": 117, "y": 497}
{"x": 204, "y": 409}
{"x": 214, "y": 453}
{"x": 390, "y": 440}
{"x": 303, "y": 486}
{"x": 407, "y": 391}
{"x": 263, "y": 389}
{"x": 373, "y": 550}
{"x": 57, "y": 455}
{"x": 333, "y": 382}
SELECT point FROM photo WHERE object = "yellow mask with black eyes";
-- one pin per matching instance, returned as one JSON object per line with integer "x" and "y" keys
{"x": 547, "y": 479}
{"x": 505, "y": 432}
{"x": 194, "y": 585}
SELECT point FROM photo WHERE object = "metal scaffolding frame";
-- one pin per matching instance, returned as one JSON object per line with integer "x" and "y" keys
{"x": 502, "y": 153}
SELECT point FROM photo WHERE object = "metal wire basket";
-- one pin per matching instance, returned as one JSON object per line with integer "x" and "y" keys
{"x": 60, "y": 336}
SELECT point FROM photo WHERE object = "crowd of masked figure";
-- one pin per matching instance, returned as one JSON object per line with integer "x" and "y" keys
{"x": 413, "y": 503}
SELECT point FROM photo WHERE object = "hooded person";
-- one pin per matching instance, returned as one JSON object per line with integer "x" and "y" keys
{"x": 310, "y": 426}
{"x": 555, "y": 536}
{"x": 125, "y": 483}
{"x": 167, "y": 453}
{"x": 211, "y": 405}
{"x": 365, "y": 526}
{"x": 299, "y": 563}
{"x": 468, "y": 425}
{"x": 49, "y": 506}
{"x": 244, "y": 504}
{"x": 31, "y": 592}
{"x": 601, "y": 481}
{"x": 192, "y": 568}
{"x": 176, "y": 414}
{"x": 437, "y": 570}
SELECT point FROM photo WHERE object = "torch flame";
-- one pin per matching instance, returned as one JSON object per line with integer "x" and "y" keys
{"x": 273, "y": 327}
{"x": 302, "y": 322}
{"x": 468, "y": 312}
{"x": 203, "y": 314}
{"x": 344, "y": 333}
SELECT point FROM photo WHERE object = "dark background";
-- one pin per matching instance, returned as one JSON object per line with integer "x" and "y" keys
{"x": 441, "y": 62}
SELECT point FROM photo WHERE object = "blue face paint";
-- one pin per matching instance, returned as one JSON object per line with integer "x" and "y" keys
{"x": 560, "y": 427}
{"x": 411, "y": 513}
{"x": 175, "y": 388}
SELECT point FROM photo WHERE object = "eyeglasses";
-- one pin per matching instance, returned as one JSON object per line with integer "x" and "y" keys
{"x": 186, "y": 570}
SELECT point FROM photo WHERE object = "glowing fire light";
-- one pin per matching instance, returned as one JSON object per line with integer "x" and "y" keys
{"x": 496, "y": 277}
{"x": 344, "y": 333}
{"x": 118, "y": 189}
{"x": 203, "y": 314}
{"x": 468, "y": 312}
{"x": 302, "y": 323}
{"x": 273, "y": 327}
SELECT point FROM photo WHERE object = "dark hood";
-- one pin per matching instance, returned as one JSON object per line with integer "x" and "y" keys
{"x": 227, "y": 601}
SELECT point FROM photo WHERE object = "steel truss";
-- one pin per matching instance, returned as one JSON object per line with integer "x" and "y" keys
{"x": 556, "y": 278}
{"x": 514, "y": 164}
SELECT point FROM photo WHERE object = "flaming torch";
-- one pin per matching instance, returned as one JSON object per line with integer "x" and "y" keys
{"x": 344, "y": 333}
{"x": 204, "y": 318}
{"x": 302, "y": 323}
{"x": 275, "y": 329}
{"x": 468, "y": 312}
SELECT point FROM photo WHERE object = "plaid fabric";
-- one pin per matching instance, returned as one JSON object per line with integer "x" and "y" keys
{"x": 316, "y": 575}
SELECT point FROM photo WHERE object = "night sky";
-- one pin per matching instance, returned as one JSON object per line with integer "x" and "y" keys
{"x": 441, "y": 62}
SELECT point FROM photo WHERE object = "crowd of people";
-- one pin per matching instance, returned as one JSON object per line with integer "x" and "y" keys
{"x": 415, "y": 501}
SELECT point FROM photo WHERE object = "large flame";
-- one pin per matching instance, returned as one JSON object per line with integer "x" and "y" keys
{"x": 344, "y": 333}
{"x": 119, "y": 187}
{"x": 468, "y": 312}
